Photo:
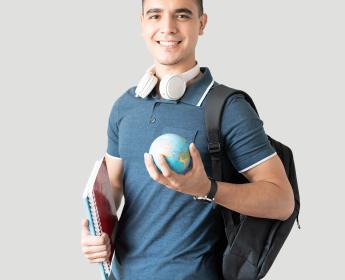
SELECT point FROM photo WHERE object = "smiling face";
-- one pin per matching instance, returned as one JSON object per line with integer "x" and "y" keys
{"x": 171, "y": 29}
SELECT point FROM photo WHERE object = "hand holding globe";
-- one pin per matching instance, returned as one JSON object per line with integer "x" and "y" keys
{"x": 175, "y": 150}
{"x": 187, "y": 174}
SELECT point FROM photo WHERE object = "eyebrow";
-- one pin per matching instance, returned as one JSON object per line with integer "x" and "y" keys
{"x": 153, "y": 11}
{"x": 184, "y": 11}
{"x": 177, "y": 11}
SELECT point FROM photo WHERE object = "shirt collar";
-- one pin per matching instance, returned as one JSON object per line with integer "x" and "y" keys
{"x": 196, "y": 92}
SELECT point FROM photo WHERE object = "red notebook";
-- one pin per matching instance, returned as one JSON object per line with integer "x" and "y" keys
{"x": 101, "y": 210}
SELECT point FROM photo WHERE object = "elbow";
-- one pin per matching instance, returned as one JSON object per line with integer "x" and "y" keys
{"x": 288, "y": 206}
{"x": 288, "y": 212}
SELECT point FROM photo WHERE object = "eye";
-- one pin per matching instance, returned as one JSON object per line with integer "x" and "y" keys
{"x": 154, "y": 17}
{"x": 183, "y": 16}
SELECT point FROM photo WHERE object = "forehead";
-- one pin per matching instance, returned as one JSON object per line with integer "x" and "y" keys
{"x": 170, "y": 4}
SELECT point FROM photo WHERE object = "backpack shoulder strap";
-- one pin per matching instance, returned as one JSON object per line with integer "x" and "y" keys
{"x": 214, "y": 107}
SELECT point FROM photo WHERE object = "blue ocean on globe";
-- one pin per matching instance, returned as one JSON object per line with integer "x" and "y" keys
{"x": 175, "y": 149}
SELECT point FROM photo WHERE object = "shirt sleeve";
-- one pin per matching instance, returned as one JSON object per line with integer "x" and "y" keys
{"x": 247, "y": 144}
{"x": 113, "y": 131}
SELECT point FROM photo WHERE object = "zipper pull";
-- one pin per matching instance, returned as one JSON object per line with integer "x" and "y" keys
{"x": 298, "y": 225}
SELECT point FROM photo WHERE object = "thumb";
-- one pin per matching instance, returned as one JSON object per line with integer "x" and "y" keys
{"x": 194, "y": 152}
{"x": 85, "y": 227}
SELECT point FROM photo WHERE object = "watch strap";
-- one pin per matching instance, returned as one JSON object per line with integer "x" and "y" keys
{"x": 210, "y": 196}
{"x": 213, "y": 189}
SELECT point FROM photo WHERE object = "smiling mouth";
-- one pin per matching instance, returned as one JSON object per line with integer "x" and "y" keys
{"x": 168, "y": 43}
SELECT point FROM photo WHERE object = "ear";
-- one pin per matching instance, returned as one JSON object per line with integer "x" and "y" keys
{"x": 203, "y": 22}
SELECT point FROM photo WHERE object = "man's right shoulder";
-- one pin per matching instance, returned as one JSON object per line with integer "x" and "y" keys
{"x": 125, "y": 97}
{"x": 129, "y": 93}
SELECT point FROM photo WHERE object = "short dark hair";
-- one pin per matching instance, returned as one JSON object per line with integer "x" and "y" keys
{"x": 198, "y": 2}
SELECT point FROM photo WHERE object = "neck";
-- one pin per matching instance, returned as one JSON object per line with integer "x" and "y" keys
{"x": 163, "y": 69}
{"x": 176, "y": 71}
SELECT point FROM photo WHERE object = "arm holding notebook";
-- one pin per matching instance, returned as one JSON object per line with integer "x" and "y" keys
{"x": 97, "y": 248}
{"x": 115, "y": 170}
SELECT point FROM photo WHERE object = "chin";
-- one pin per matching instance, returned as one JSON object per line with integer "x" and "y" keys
{"x": 168, "y": 61}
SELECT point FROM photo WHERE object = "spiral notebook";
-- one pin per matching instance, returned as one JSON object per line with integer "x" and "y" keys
{"x": 101, "y": 210}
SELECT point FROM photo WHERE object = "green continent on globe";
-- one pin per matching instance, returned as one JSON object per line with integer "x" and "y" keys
{"x": 184, "y": 157}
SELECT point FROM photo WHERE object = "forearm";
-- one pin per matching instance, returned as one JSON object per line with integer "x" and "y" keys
{"x": 258, "y": 199}
{"x": 117, "y": 194}
{"x": 115, "y": 171}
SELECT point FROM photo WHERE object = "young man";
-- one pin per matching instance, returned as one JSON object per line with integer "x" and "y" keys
{"x": 163, "y": 232}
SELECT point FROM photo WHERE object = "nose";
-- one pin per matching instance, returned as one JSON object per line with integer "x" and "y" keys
{"x": 168, "y": 25}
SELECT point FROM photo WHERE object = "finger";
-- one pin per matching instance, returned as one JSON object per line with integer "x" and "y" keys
{"x": 89, "y": 250}
{"x": 99, "y": 260}
{"x": 92, "y": 240}
{"x": 172, "y": 178}
{"x": 98, "y": 257}
{"x": 85, "y": 227}
{"x": 152, "y": 169}
{"x": 166, "y": 170}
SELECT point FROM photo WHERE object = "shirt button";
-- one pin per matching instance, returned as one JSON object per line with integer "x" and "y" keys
{"x": 153, "y": 120}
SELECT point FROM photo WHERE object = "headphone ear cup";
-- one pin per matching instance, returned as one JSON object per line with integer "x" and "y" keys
{"x": 146, "y": 85}
{"x": 172, "y": 87}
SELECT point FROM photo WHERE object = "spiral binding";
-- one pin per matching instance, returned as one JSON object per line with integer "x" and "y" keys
{"x": 98, "y": 227}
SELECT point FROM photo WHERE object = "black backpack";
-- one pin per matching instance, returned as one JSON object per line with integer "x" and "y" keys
{"x": 251, "y": 244}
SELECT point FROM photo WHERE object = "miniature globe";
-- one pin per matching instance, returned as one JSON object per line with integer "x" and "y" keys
{"x": 175, "y": 149}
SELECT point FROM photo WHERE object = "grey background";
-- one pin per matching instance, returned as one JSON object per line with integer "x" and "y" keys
{"x": 63, "y": 64}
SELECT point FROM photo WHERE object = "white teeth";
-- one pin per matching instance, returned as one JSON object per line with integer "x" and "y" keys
{"x": 168, "y": 43}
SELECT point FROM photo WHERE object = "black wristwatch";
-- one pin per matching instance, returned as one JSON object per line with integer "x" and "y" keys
{"x": 210, "y": 196}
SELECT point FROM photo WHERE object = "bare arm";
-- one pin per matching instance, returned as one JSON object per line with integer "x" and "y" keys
{"x": 115, "y": 170}
{"x": 268, "y": 195}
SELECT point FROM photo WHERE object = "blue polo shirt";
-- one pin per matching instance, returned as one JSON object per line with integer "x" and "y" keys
{"x": 163, "y": 234}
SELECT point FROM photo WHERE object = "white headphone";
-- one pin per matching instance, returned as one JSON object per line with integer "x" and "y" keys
{"x": 171, "y": 86}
